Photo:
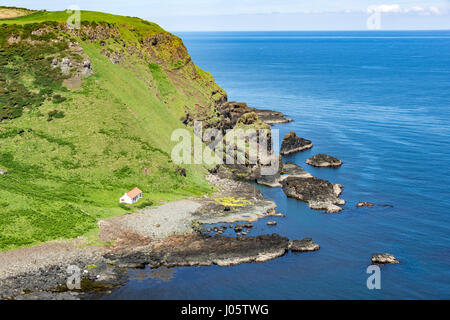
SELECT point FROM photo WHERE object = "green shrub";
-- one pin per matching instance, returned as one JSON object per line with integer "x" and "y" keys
{"x": 57, "y": 98}
{"x": 145, "y": 204}
{"x": 55, "y": 114}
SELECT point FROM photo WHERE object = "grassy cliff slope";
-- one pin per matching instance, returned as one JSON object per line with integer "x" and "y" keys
{"x": 86, "y": 115}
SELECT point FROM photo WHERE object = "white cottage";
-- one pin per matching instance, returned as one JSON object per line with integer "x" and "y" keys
{"x": 132, "y": 197}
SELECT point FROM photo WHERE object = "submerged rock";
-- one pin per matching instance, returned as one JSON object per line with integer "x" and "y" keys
{"x": 384, "y": 258}
{"x": 324, "y": 160}
{"x": 319, "y": 194}
{"x": 291, "y": 144}
{"x": 304, "y": 245}
{"x": 364, "y": 204}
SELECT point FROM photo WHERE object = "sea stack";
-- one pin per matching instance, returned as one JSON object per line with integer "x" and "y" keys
{"x": 291, "y": 144}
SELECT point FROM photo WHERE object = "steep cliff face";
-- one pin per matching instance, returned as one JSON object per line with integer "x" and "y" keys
{"x": 87, "y": 114}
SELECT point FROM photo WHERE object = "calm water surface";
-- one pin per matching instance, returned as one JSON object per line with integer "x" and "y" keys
{"x": 380, "y": 101}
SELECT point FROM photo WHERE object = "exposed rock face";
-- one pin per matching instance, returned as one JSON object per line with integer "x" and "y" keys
{"x": 101, "y": 31}
{"x": 364, "y": 204}
{"x": 319, "y": 194}
{"x": 3, "y": 172}
{"x": 304, "y": 245}
{"x": 231, "y": 111}
{"x": 324, "y": 160}
{"x": 271, "y": 223}
{"x": 114, "y": 57}
{"x": 77, "y": 69}
{"x": 65, "y": 65}
{"x": 384, "y": 258}
{"x": 291, "y": 144}
{"x": 272, "y": 117}
{"x": 196, "y": 250}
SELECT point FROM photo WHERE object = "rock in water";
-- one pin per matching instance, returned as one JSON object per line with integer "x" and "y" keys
{"x": 319, "y": 194}
{"x": 324, "y": 160}
{"x": 195, "y": 250}
{"x": 364, "y": 204}
{"x": 292, "y": 169}
{"x": 291, "y": 144}
{"x": 304, "y": 245}
{"x": 384, "y": 258}
{"x": 271, "y": 117}
{"x": 271, "y": 223}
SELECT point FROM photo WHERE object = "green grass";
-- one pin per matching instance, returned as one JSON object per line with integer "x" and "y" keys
{"x": 165, "y": 87}
{"x": 86, "y": 16}
{"x": 102, "y": 140}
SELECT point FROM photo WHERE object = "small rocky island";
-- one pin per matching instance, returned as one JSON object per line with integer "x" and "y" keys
{"x": 364, "y": 204}
{"x": 384, "y": 258}
{"x": 291, "y": 144}
{"x": 319, "y": 194}
{"x": 304, "y": 245}
{"x": 324, "y": 160}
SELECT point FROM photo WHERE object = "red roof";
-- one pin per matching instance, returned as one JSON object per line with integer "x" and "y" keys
{"x": 134, "y": 193}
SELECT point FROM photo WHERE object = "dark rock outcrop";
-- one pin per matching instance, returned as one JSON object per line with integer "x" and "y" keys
{"x": 196, "y": 250}
{"x": 230, "y": 112}
{"x": 271, "y": 117}
{"x": 324, "y": 160}
{"x": 304, "y": 245}
{"x": 291, "y": 144}
{"x": 319, "y": 194}
{"x": 384, "y": 258}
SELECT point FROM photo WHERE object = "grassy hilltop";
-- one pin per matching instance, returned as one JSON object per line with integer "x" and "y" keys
{"x": 74, "y": 144}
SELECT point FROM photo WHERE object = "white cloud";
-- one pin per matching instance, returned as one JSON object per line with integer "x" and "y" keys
{"x": 384, "y": 8}
{"x": 395, "y": 8}
{"x": 435, "y": 10}
{"x": 416, "y": 9}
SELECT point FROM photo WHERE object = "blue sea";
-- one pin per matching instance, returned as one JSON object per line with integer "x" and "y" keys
{"x": 380, "y": 102}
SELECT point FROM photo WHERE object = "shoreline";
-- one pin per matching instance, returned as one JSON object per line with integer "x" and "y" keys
{"x": 168, "y": 235}
{"x": 41, "y": 271}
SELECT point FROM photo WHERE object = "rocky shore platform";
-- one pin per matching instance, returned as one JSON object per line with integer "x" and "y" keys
{"x": 271, "y": 117}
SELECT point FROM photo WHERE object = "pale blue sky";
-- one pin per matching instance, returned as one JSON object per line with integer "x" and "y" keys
{"x": 230, "y": 15}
